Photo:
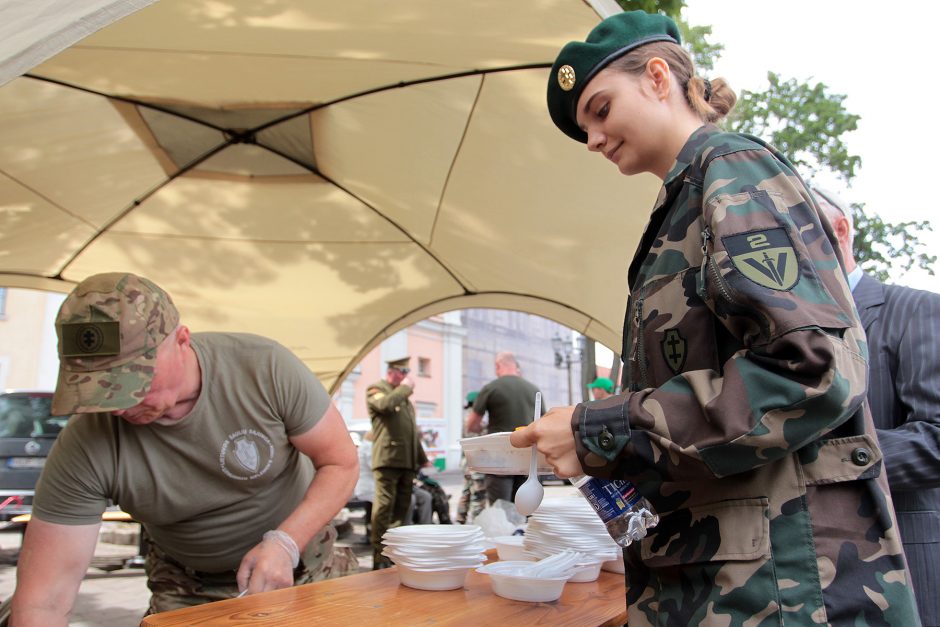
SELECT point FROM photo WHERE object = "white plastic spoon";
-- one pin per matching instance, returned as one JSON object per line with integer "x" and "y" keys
{"x": 529, "y": 495}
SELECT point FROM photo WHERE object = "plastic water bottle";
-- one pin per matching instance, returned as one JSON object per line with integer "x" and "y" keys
{"x": 626, "y": 513}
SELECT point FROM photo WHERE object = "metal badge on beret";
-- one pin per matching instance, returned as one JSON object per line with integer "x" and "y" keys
{"x": 566, "y": 77}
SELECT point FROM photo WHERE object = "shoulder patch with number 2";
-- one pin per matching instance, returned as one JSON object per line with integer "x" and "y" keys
{"x": 765, "y": 257}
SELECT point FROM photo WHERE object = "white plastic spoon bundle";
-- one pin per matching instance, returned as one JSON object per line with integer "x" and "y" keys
{"x": 529, "y": 495}
{"x": 556, "y": 565}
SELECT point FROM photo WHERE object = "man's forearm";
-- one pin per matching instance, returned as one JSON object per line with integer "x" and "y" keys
{"x": 327, "y": 494}
{"x": 50, "y": 568}
{"x": 474, "y": 423}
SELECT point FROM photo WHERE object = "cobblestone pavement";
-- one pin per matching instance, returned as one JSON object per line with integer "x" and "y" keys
{"x": 112, "y": 595}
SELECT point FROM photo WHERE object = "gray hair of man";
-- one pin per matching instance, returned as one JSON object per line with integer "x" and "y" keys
{"x": 830, "y": 202}
{"x": 835, "y": 209}
{"x": 506, "y": 364}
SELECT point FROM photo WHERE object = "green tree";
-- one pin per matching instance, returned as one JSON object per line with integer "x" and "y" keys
{"x": 807, "y": 123}
{"x": 880, "y": 246}
{"x": 803, "y": 121}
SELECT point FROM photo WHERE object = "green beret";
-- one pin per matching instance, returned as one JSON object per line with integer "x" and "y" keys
{"x": 578, "y": 62}
{"x": 603, "y": 383}
{"x": 471, "y": 396}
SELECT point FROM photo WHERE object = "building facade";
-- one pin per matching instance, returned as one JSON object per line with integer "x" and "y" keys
{"x": 28, "y": 358}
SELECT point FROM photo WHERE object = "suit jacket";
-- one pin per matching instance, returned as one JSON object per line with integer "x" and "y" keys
{"x": 903, "y": 329}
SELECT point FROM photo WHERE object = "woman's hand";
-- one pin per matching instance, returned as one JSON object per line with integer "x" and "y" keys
{"x": 551, "y": 435}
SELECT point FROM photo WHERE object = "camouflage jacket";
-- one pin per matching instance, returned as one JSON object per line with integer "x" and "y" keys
{"x": 744, "y": 421}
{"x": 397, "y": 443}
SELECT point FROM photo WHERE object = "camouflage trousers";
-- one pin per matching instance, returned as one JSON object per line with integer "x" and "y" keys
{"x": 173, "y": 586}
{"x": 472, "y": 498}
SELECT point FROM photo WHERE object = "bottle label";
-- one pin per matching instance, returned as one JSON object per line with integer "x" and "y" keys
{"x": 610, "y": 499}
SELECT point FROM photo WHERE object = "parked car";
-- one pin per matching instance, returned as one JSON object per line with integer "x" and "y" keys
{"x": 27, "y": 432}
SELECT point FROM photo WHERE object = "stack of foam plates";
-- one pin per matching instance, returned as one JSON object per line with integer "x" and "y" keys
{"x": 570, "y": 523}
{"x": 434, "y": 557}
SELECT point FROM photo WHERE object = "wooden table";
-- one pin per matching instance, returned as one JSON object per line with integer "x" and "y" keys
{"x": 376, "y": 598}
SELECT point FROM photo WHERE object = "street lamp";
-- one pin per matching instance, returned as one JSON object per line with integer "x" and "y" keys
{"x": 565, "y": 355}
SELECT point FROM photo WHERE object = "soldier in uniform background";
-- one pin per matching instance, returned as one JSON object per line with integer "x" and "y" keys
{"x": 508, "y": 402}
{"x": 209, "y": 440}
{"x": 744, "y": 419}
{"x": 396, "y": 452}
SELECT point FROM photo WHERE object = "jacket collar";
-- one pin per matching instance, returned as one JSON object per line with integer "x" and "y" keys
{"x": 692, "y": 147}
{"x": 667, "y": 195}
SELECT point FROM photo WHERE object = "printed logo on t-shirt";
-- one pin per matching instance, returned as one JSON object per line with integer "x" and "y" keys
{"x": 246, "y": 454}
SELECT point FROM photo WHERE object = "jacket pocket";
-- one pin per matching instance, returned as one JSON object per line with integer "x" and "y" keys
{"x": 843, "y": 459}
{"x": 919, "y": 527}
{"x": 720, "y": 555}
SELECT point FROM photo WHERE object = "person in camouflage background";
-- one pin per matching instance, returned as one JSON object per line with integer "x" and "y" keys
{"x": 175, "y": 586}
{"x": 473, "y": 495}
{"x": 743, "y": 418}
{"x": 209, "y": 440}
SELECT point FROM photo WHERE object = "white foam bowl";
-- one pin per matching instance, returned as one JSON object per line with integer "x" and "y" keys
{"x": 511, "y": 548}
{"x": 517, "y": 588}
{"x": 613, "y": 566}
{"x": 436, "y": 579}
{"x": 434, "y": 531}
{"x": 470, "y": 561}
{"x": 584, "y": 574}
{"x": 494, "y": 455}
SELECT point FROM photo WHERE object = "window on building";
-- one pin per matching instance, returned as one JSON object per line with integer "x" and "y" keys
{"x": 3, "y": 302}
{"x": 424, "y": 367}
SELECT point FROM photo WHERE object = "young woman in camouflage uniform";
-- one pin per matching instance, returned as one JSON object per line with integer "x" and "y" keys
{"x": 743, "y": 417}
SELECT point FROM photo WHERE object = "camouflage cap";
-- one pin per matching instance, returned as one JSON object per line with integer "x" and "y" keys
{"x": 109, "y": 328}
{"x": 579, "y": 61}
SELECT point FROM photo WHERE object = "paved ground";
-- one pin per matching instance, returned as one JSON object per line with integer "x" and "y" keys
{"x": 118, "y": 598}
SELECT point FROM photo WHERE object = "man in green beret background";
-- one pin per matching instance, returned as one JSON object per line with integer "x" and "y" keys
{"x": 601, "y": 388}
{"x": 396, "y": 452}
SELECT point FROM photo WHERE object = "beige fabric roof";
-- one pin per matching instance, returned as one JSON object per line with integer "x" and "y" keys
{"x": 323, "y": 173}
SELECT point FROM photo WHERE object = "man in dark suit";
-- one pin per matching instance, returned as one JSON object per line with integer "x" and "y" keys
{"x": 903, "y": 329}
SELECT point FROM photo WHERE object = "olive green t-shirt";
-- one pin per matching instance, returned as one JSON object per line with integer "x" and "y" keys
{"x": 209, "y": 486}
{"x": 510, "y": 402}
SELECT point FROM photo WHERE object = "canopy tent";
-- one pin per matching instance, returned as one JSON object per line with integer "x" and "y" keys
{"x": 321, "y": 173}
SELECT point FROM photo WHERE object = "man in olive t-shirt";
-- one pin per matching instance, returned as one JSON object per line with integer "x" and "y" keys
{"x": 509, "y": 401}
{"x": 210, "y": 440}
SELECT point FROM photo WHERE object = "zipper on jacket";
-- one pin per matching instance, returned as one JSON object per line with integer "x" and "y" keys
{"x": 708, "y": 263}
{"x": 639, "y": 354}
{"x": 706, "y": 235}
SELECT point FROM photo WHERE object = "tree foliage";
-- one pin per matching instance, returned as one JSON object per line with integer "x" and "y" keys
{"x": 803, "y": 121}
{"x": 881, "y": 246}
{"x": 807, "y": 123}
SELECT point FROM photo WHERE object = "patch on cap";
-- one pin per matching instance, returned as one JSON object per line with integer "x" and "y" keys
{"x": 109, "y": 328}
{"x": 91, "y": 339}
{"x": 566, "y": 77}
